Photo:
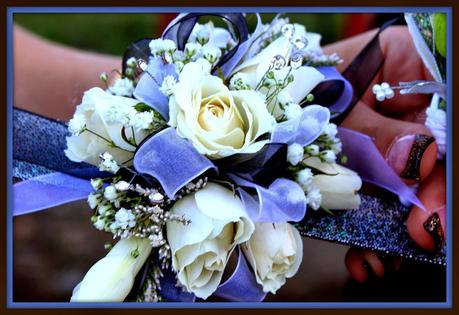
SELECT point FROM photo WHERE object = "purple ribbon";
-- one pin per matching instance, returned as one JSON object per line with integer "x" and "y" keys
{"x": 147, "y": 89}
{"x": 48, "y": 191}
{"x": 333, "y": 77}
{"x": 242, "y": 50}
{"x": 303, "y": 129}
{"x": 365, "y": 159}
{"x": 242, "y": 285}
{"x": 283, "y": 201}
{"x": 172, "y": 160}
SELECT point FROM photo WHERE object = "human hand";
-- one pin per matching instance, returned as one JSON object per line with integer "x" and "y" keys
{"x": 397, "y": 126}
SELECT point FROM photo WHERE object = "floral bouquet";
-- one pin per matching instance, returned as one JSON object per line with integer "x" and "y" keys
{"x": 210, "y": 145}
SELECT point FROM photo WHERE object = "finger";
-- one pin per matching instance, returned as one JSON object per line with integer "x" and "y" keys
{"x": 360, "y": 263}
{"x": 402, "y": 63}
{"x": 408, "y": 147}
{"x": 428, "y": 228}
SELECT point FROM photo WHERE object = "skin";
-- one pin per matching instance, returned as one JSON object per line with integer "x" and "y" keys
{"x": 391, "y": 119}
{"x": 40, "y": 64}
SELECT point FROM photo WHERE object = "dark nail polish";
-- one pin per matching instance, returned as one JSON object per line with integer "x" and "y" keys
{"x": 433, "y": 226}
{"x": 413, "y": 164}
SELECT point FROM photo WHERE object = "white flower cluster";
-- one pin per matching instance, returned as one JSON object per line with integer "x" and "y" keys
{"x": 327, "y": 146}
{"x": 77, "y": 124}
{"x": 122, "y": 87}
{"x": 128, "y": 116}
{"x": 313, "y": 196}
{"x": 239, "y": 81}
{"x": 168, "y": 85}
{"x": 108, "y": 164}
{"x": 158, "y": 47}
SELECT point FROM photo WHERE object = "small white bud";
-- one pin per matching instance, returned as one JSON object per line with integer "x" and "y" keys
{"x": 110, "y": 193}
{"x": 122, "y": 185}
{"x": 96, "y": 183}
{"x": 103, "y": 76}
{"x": 312, "y": 149}
{"x": 295, "y": 153}
{"x": 131, "y": 62}
{"x": 329, "y": 156}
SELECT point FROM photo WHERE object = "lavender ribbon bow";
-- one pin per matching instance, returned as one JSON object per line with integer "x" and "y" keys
{"x": 174, "y": 162}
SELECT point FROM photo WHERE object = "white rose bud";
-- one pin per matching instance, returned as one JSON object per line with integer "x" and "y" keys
{"x": 201, "y": 249}
{"x": 339, "y": 185}
{"x": 111, "y": 278}
{"x": 275, "y": 252}
{"x": 304, "y": 78}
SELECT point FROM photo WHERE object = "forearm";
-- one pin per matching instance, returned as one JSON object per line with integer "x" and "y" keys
{"x": 50, "y": 79}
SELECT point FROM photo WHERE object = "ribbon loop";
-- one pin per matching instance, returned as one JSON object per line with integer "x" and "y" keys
{"x": 262, "y": 167}
{"x": 334, "y": 92}
{"x": 284, "y": 200}
{"x": 303, "y": 129}
{"x": 242, "y": 285}
{"x": 172, "y": 160}
{"x": 179, "y": 30}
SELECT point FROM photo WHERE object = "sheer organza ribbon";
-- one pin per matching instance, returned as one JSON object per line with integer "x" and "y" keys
{"x": 174, "y": 162}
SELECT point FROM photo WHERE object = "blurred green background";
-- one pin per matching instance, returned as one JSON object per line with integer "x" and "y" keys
{"x": 112, "y": 33}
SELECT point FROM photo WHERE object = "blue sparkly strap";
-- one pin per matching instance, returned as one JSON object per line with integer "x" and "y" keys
{"x": 38, "y": 148}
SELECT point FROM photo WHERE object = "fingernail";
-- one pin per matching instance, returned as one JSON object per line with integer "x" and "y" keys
{"x": 405, "y": 155}
{"x": 433, "y": 226}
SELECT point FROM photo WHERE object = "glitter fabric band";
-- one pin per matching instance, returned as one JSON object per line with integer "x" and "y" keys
{"x": 379, "y": 224}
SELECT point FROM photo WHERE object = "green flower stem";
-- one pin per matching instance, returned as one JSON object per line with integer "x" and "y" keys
{"x": 110, "y": 142}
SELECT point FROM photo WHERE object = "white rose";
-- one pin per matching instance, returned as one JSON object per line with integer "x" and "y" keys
{"x": 275, "y": 252}
{"x": 304, "y": 78}
{"x": 86, "y": 147}
{"x": 218, "y": 122}
{"x": 201, "y": 249}
{"x": 112, "y": 277}
{"x": 339, "y": 185}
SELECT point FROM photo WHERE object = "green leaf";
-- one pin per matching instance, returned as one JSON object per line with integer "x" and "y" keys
{"x": 142, "y": 107}
{"x": 442, "y": 105}
{"x": 439, "y": 30}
